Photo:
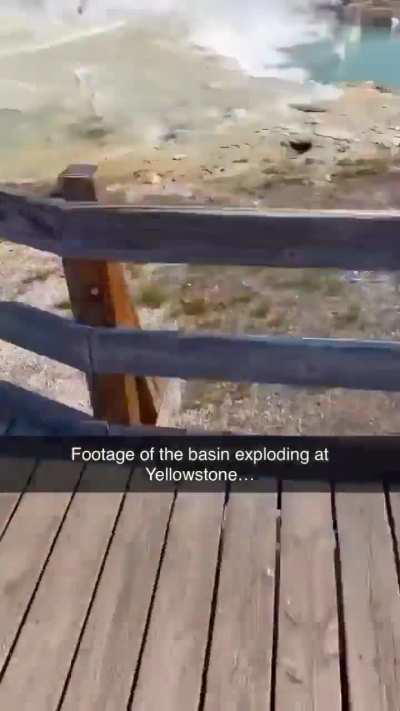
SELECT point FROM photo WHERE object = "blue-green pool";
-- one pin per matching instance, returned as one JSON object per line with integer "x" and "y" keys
{"x": 373, "y": 56}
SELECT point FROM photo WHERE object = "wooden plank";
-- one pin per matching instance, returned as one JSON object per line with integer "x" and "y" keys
{"x": 39, "y": 665}
{"x": 116, "y": 398}
{"x": 84, "y": 428}
{"x": 171, "y": 670}
{"x": 103, "y": 672}
{"x": 239, "y": 673}
{"x": 308, "y": 674}
{"x": 45, "y": 333}
{"x": 17, "y": 401}
{"x": 36, "y": 223}
{"x": 293, "y": 361}
{"x": 14, "y": 475}
{"x": 373, "y": 365}
{"x": 26, "y": 545}
{"x": 77, "y": 191}
{"x": 349, "y": 240}
{"x": 352, "y": 239}
{"x": 100, "y": 297}
{"x": 371, "y": 602}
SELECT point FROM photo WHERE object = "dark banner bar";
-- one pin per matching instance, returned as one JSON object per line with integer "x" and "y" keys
{"x": 197, "y": 463}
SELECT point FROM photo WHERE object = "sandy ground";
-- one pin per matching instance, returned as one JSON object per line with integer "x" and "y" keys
{"x": 230, "y": 140}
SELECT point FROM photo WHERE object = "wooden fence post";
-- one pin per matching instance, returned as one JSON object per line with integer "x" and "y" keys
{"x": 99, "y": 297}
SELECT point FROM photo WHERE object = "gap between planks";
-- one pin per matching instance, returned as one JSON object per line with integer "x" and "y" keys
{"x": 371, "y": 600}
{"x": 34, "y": 673}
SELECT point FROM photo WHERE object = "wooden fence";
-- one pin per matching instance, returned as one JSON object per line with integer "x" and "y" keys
{"x": 105, "y": 340}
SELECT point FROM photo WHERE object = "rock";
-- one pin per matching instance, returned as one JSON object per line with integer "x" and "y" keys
{"x": 308, "y": 108}
{"x": 147, "y": 177}
{"x": 179, "y": 156}
{"x": 383, "y": 89}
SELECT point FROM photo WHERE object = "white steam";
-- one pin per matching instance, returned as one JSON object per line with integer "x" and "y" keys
{"x": 251, "y": 32}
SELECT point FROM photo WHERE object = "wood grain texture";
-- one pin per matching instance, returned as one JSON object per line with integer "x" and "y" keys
{"x": 371, "y": 600}
{"x": 373, "y": 365}
{"x": 100, "y": 297}
{"x": 37, "y": 670}
{"x": 282, "y": 238}
{"x": 14, "y": 475}
{"x": 352, "y": 240}
{"x": 172, "y": 664}
{"x": 103, "y": 672}
{"x": 308, "y": 675}
{"x": 293, "y": 361}
{"x": 239, "y": 672}
{"x": 45, "y": 333}
{"x": 25, "y": 547}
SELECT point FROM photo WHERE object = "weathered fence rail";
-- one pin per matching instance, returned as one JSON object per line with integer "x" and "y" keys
{"x": 84, "y": 231}
{"x": 292, "y": 238}
{"x": 314, "y": 362}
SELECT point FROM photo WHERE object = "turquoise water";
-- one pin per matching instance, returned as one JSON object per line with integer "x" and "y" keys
{"x": 375, "y": 56}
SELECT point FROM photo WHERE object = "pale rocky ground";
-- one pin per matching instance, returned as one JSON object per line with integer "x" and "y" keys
{"x": 288, "y": 148}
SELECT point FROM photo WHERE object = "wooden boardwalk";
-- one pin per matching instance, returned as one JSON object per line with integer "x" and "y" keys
{"x": 284, "y": 600}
